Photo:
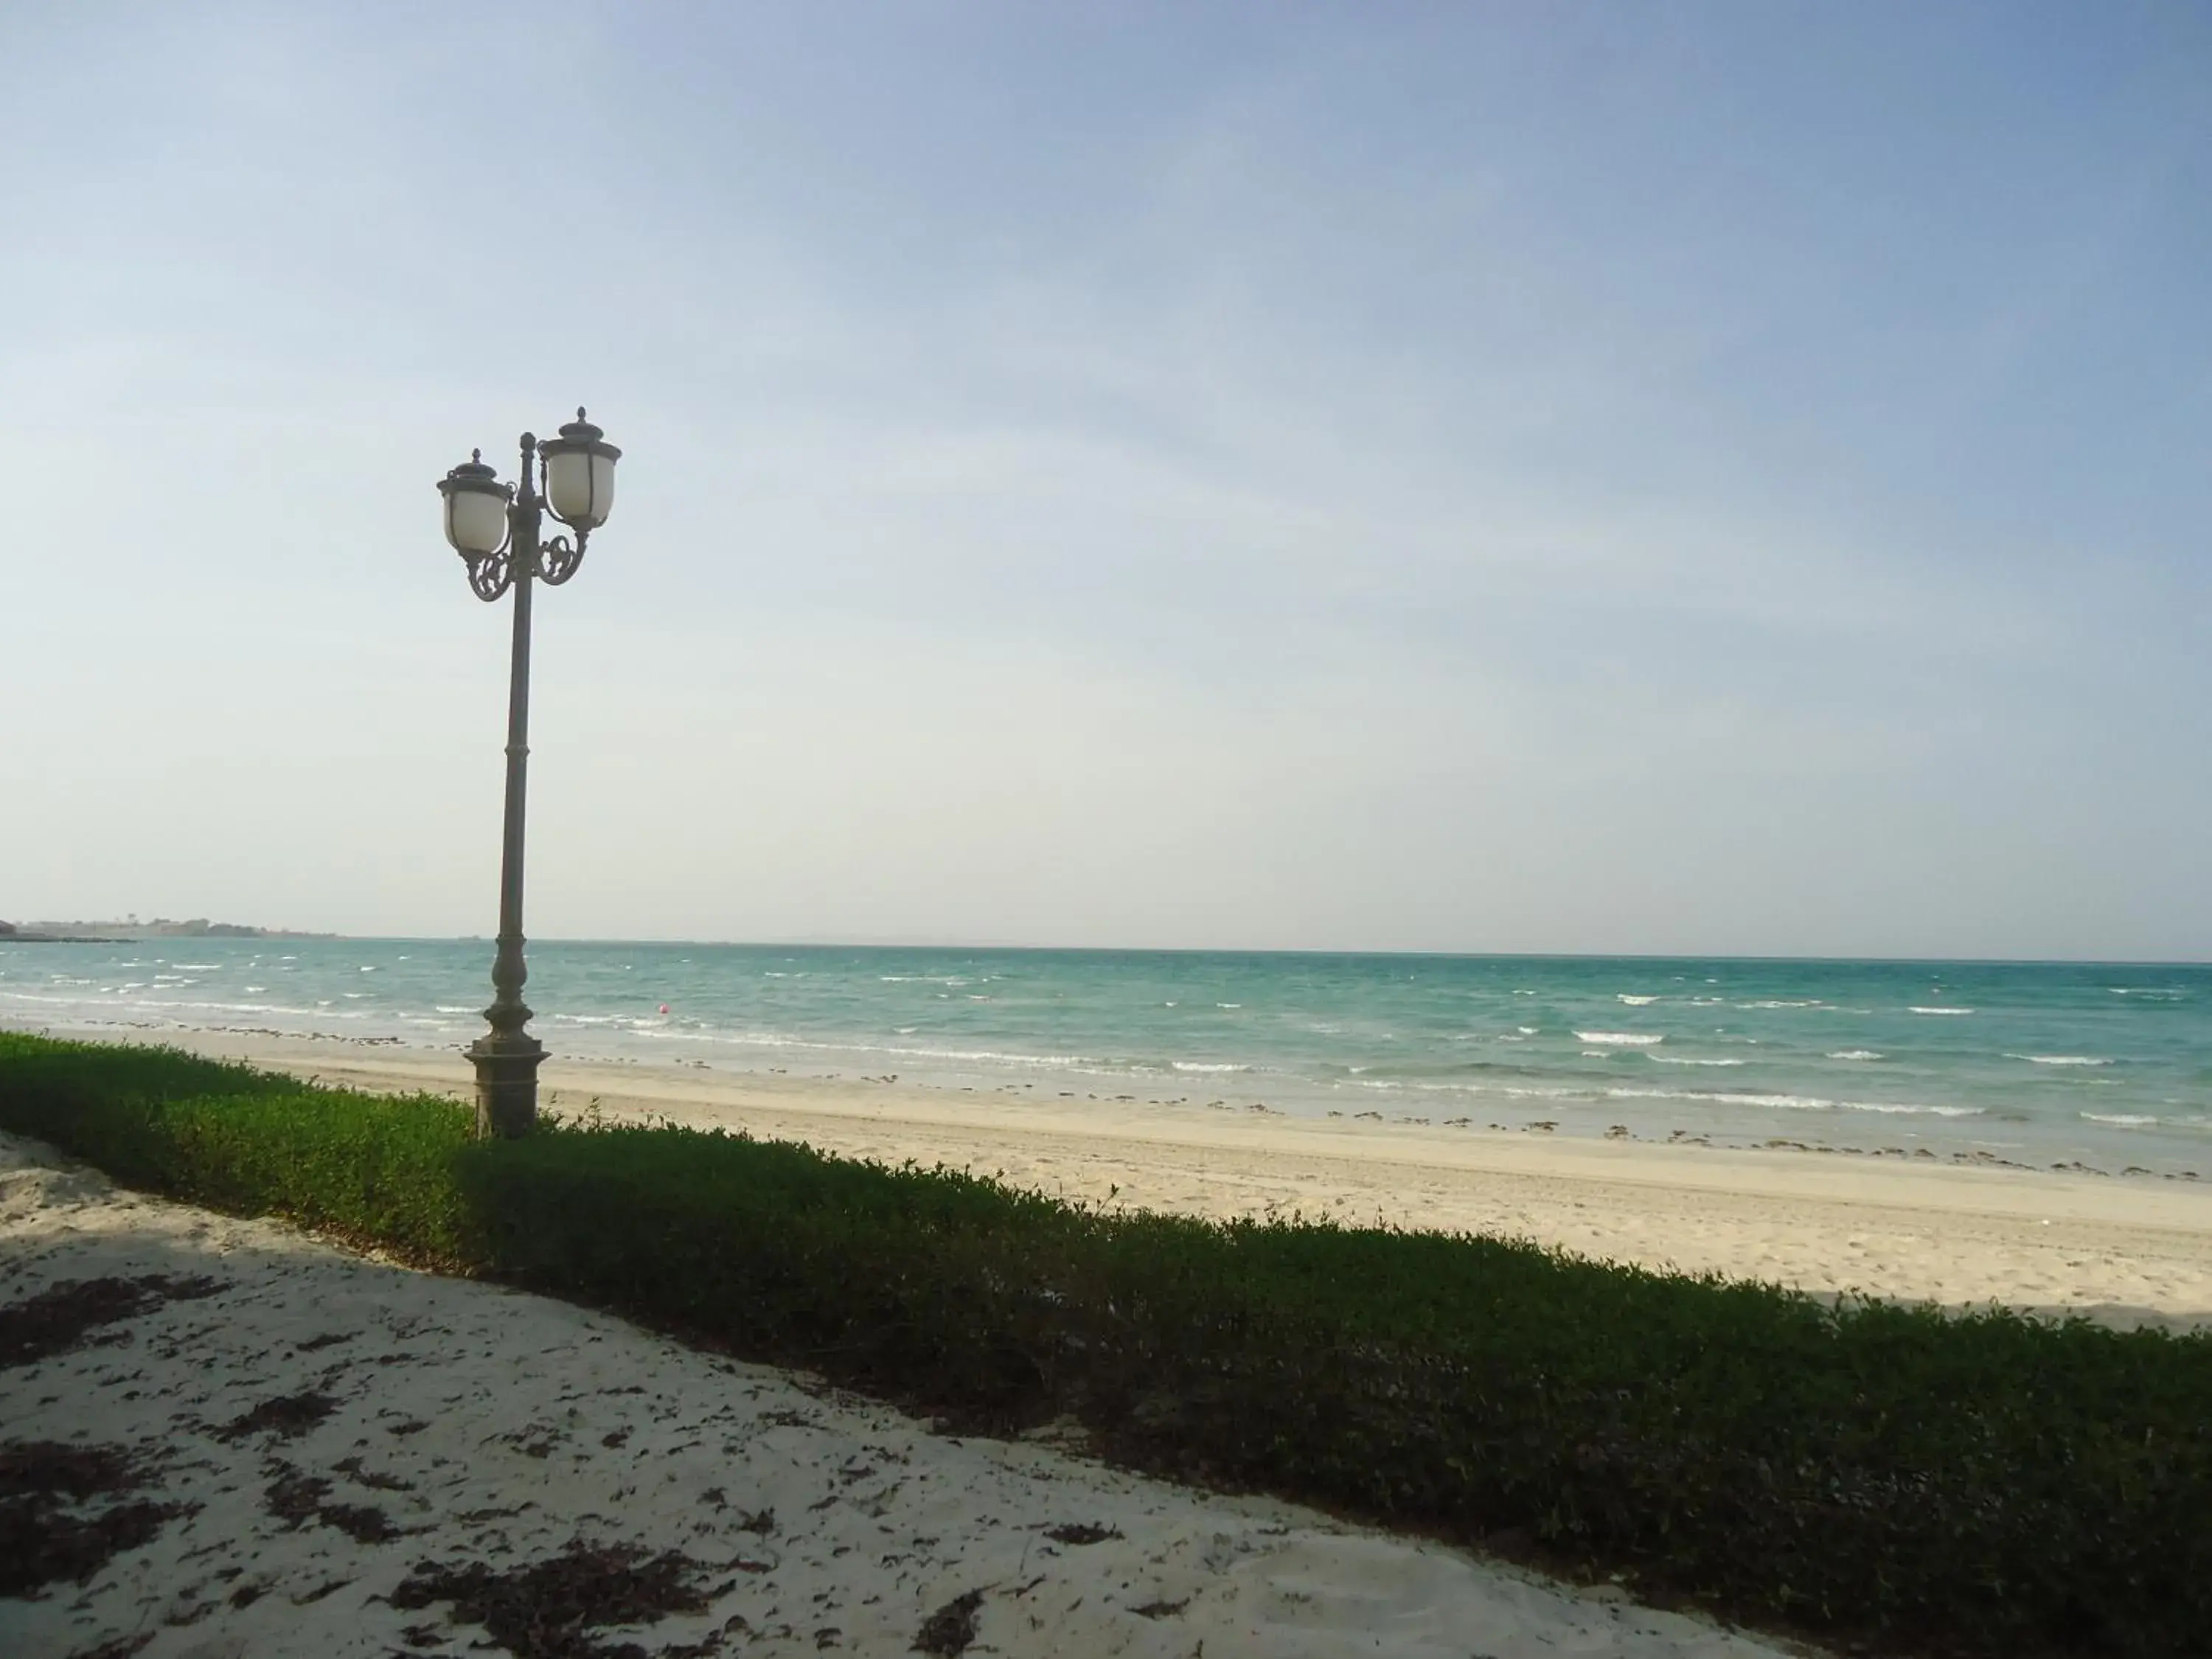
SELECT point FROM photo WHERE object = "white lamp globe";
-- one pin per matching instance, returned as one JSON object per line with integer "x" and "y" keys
{"x": 579, "y": 474}
{"x": 476, "y": 507}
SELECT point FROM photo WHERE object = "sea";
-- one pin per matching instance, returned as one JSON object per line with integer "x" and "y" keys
{"x": 2099, "y": 1067}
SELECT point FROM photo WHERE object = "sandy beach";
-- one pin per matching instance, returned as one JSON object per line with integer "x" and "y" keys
{"x": 303, "y": 1451}
{"x": 2128, "y": 1250}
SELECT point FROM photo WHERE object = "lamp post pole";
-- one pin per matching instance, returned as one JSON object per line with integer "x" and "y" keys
{"x": 507, "y": 1057}
{"x": 496, "y": 528}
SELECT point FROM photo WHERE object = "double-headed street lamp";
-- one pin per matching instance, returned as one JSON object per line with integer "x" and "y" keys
{"x": 495, "y": 526}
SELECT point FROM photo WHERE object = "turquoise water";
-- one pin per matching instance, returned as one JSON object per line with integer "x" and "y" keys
{"x": 2035, "y": 1064}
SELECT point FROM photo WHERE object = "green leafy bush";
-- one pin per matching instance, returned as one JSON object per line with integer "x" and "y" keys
{"x": 1989, "y": 1484}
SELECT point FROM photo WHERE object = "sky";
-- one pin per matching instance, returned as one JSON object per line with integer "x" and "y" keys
{"x": 1700, "y": 479}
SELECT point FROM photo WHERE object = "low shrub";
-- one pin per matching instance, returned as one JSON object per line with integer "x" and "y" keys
{"x": 1986, "y": 1484}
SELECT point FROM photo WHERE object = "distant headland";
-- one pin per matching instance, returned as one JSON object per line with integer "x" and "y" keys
{"x": 118, "y": 932}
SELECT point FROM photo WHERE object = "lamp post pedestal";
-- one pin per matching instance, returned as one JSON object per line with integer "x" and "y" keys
{"x": 506, "y": 1083}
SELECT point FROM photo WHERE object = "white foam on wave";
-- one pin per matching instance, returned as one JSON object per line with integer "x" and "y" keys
{"x": 1526, "y": 1030}
{"x": 2061, "y": 1060}
{"x": 1620, "y": 1039}
{"x": 1785, "y": 1002}
{"x": 2122, "y": 1119}
{"x": 196, "y": 967}
{"x": 1209, "y": 1066}
{"x": 1688, "y": 1059}
{"x": 1855, "y": 1054}
{"x": 1940, "y": 1011}
{"x": 1635, "y": 1002}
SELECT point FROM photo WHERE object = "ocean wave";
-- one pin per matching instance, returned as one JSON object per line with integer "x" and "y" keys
{"x": 1785, "y": 1002}
{"x": 1635, "y": 1002}
{"x": 2061, "y": 1060}
{"x": 778, "y": 1039}
{"x": 151, "y": 1005}
{"x": 1855, "y": 1054}
{"x": 1688, "y": 1059}
{"x": 2155, "y": 992}
{"x": 993, "y": 1056}
{"x": 1620, "y": 1039}
{"x": 1209, "y": 1066}
{"x": 1526, "y": 1030}
{"x": 2122, "y": 1119}
{"x": 1940, "y": 1011}
{"x": 1795, "y": 1102}
{"x": 196, "y": 967}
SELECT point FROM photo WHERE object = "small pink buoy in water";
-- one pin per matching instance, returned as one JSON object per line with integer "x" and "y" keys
{"x": 663, "y": 1007}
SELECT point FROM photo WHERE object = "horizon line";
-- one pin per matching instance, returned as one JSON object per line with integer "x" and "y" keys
{"x": 878, "y": 943}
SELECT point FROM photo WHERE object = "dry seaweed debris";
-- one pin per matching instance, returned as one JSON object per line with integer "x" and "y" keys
{"x": 547, "y": 1610}
{"x": 286, "y": 1417}
{"x": 294, "y": 1498}
{"x": 1083, "y": 1532}
{"x": 946, "y": 1633}
{"x": 42, "y": 1541}
{"x": 57, "y": 1319}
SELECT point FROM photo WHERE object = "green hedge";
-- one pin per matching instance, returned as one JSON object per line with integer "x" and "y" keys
{"x": 1980, "y": 1484}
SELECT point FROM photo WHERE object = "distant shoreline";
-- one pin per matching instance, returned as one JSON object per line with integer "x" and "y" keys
{"x": 136, "y": 932}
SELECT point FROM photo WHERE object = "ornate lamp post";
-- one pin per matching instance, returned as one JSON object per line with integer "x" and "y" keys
{"x": 495, "y": 527}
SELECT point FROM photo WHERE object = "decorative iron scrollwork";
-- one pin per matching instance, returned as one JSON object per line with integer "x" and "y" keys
{"x": 490, "y": 577}
{"x": 557, "y": 561}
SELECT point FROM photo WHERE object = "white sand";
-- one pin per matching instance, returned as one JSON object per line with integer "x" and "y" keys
{"x": 2129, "y": 1250}
{"x": 494, "y": 1427}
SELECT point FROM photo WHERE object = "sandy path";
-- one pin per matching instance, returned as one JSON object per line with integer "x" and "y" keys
{"x": 331, "y": 1422}
{"x": 2129, "y": 1250}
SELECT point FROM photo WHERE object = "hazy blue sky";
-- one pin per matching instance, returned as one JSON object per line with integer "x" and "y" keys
{"x": 1639, "y": 478}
